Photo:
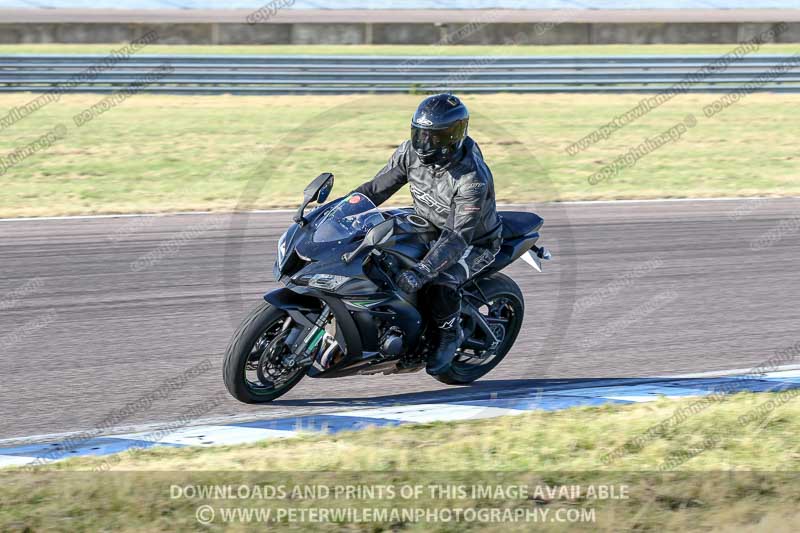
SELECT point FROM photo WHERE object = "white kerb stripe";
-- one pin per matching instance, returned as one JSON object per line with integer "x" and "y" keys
{"x": 436, "y": 412}
{"x": 13, "y": 460}
{"x": 209, "y": 435}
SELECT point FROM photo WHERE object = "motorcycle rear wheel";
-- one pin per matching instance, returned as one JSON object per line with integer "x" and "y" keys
{"x": 252, "y": 369}
{"x": 505, "y": 313}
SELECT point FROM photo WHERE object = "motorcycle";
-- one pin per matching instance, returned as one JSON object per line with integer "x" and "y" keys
{"x": 341, "y": 312}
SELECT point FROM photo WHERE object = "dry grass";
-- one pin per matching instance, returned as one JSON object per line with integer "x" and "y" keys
{"x": 166, "y": 153}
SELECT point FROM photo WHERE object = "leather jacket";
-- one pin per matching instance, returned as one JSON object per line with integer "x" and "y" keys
{"x": 458, "y": 198}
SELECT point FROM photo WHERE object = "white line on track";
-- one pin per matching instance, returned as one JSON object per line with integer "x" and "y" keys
{"x": 732, "y": 372}
{"x": 141, "y": 215}
{"x": 673, "y": 200}
{"x": 265, "y": 211}
{"x": 229, "y": 419}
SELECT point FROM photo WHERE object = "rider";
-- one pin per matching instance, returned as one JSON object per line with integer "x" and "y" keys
{"x": 453, "y": 188}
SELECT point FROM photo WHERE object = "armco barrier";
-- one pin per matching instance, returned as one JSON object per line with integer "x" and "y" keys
{"x": 392, "y": 74}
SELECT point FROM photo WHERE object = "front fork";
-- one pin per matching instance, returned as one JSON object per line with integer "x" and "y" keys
{"x": 304, "y": 341}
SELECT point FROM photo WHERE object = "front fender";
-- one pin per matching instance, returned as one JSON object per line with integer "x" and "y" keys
{"x": 288, "y": 300}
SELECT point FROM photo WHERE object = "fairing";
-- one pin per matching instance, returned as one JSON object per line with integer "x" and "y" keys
{"x": 363, "y": 300}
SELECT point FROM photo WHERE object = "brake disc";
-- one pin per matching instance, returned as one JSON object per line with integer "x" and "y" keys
{"x": 270, "y": 366}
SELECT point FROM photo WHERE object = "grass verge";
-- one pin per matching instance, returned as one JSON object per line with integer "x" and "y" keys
{"x": 732, "y": 465}
{"x": 167, "y": 153}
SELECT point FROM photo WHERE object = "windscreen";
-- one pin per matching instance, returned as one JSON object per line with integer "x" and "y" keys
{"x": 353, "y": 214}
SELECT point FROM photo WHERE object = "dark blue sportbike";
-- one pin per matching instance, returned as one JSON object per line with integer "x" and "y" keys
{"x": 341, "y": 313}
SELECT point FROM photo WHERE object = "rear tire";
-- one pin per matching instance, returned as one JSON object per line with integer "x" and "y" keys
{"x": 262, "y": 326}
{"x": 497, "y": 288}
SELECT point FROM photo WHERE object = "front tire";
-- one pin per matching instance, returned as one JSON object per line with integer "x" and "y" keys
{"x": 508, "y": 305}
{"x": 252, "y": 368}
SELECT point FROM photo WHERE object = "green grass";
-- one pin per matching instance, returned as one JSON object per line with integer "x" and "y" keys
{"x": 483, "y": 50}
{"x": 166, "y": 153}
{"x": 745, "y": 481}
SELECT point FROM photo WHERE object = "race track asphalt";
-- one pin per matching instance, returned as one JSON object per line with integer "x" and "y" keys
{"x": 101, "y": 318}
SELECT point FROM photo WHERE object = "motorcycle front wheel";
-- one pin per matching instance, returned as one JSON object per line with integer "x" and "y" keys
{"x": 504, "y": 311}
{"x": 253, "y": 368}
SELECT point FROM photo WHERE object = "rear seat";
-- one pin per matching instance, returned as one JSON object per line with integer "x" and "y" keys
{"x": 519, "y": 223}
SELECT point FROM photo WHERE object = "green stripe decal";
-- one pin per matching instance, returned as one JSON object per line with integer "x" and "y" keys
{"x": 317, "y": 337}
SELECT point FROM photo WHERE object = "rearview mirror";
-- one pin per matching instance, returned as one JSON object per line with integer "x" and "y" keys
{"x": 325, "y": 190}
{"x": 317, "y": 191}
{"x": 376, "y": 235}
{"x": 380, "y": 233}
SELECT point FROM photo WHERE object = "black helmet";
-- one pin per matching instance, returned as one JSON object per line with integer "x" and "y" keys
{"x": 438, "y": 129}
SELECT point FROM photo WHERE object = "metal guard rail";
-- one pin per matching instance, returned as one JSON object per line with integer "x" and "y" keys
{"x": 396, "y": 74}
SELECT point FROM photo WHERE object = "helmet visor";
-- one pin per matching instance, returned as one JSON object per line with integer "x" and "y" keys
{"x": 428, "y": 141}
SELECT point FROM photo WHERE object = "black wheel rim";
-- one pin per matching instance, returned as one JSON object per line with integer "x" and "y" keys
{"x": 502, "y": 316}
{"x": 264, "y": 372}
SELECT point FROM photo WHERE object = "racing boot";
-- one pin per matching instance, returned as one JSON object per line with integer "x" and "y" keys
{"x": 450, "y": 338}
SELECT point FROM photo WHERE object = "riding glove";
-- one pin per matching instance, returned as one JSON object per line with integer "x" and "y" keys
{"x": 411, "y": 281}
